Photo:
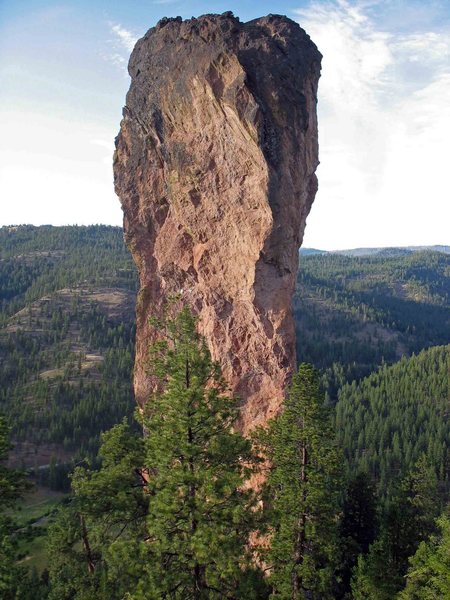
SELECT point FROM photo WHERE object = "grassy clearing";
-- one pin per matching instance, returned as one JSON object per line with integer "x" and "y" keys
{"x": 32, "y": 517}
{"x": 34, "y": 552}
{"x": 37, "y": 505}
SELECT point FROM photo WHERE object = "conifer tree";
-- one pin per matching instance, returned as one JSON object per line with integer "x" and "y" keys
{"x": 12, "y": 486}
{"x": 409, "y": 519}
{"x": 429, "y": 571}
{"x": 166, "y": 516}
{"x": 199, "y": 516}
{"x": 358, "y": 527}
{"x": 106, "y": 514}
{"x": 303, "y": 489}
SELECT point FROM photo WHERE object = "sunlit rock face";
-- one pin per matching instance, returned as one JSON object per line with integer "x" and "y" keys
{"x": 214, "y": 167}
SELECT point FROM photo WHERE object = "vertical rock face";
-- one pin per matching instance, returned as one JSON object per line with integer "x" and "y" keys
{"x": 214, "y": 167}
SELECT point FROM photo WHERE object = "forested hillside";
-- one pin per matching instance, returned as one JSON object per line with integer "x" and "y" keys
{"x": 392, "y": 417}
{"x": 354, "y": 313}
{"x": 67, "y": 298}
{"x": 66, "y": 339}
{"x": 67, "y": 325}
{"x": 35, "y": 261}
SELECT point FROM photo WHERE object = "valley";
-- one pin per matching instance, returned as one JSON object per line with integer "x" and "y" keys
{"x": 376, "y": 327}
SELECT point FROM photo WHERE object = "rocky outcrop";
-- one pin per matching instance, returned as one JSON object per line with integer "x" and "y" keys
{"x": 214, "y": 166}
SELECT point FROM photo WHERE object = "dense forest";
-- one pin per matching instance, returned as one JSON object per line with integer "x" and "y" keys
{"x": 387, "y": 421}
{"x": 354, "y": 313}
{"x": 377, "y": 330}
{"x": 35, "y": 261}
{"x": 66, "y": 341}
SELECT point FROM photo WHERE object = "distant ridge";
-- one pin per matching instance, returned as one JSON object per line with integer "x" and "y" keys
{"x": 311, "y": 251}
{"x": 386, "y": 251}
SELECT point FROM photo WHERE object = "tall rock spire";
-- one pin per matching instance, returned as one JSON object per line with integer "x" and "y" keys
{"x": 214, "y": 166}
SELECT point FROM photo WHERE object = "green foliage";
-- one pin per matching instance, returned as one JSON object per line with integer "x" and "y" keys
{"x": 428, "y": 576}
{"x": 353, "y": 313}
{"x": 66, "y": 360}
{"x": 358, "y": 527}
{"x": 199, "y": 514}
{"x": 409, "y": 518}
{"x": 108, "y": 510}
{"x": 375, "y": 577}
{"x": 303, "y": 488}
{"x": 389, "y": 419}
{"x": 12, "y": 487}
{"x": 165, "y": 516}
{"x": 8, "y": 557}
{"x": 12, "y": 482}
{"x": 36, "y": 261}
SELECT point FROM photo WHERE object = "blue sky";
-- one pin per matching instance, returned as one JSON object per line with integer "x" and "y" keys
{"x": 384, "y": 111}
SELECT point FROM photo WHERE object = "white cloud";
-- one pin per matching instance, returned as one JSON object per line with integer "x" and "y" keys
{"x": 425, "y": 46}
{"x": 384, "y": 120}
{"x": 122, "y": 45}
{"x": 126, "y": 38}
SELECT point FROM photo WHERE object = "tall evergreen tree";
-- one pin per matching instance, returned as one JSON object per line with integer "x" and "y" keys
{"x": 429, "y": 571}
{"x": 358, "y": 527}
{"x": 303, "y": 489}
{"x": 12, "y": 486}
{"x": 107, "y": 513}
{"x": 200, "y": 516}
{"x": 409, "y": 519}
{"x": 166, "y": 516}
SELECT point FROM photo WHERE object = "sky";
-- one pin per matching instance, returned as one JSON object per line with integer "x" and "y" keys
{"x": 384, "y": 111}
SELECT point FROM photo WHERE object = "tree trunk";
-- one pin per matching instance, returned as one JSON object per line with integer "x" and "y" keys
{"x": 198, "y": 571}
{"x": 86, "y": 545}
{"x": 300, "y": 541}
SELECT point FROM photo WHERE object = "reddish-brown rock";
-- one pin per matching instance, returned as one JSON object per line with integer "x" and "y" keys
{"x": 215, "y": 167}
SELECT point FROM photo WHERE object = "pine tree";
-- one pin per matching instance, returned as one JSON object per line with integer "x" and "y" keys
{"x": 199, "y": 516}
{"x": 358, "y": 526}
{"x": 429, "y": 572}
{"x": 303, "y": 490}
{"x": 107, "y": 512}
{"x": 409, "y": 519}
{"x": 12, "y": 486}
{"x": 166, "y": 516}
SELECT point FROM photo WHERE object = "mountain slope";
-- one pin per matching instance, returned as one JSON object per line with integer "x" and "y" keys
{"x": 387, "y": 420}
{"x": 381, "y": 251}
{"x": 66, "y": 338}
{"x": 67, "y": 328}
{"x": 353, "y": 313}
